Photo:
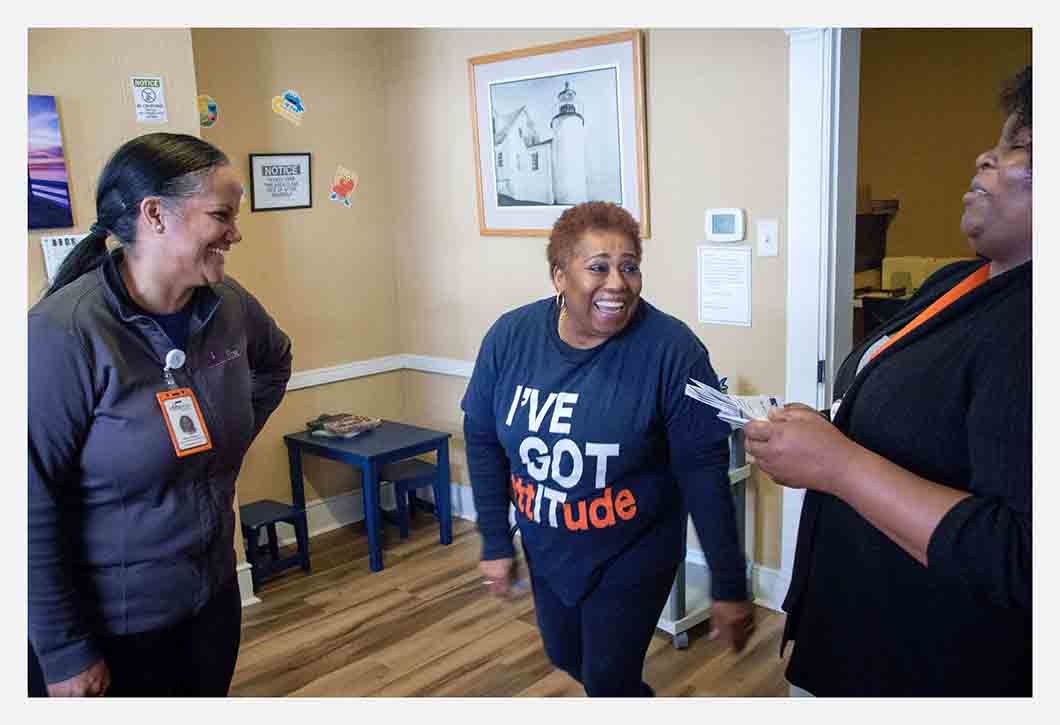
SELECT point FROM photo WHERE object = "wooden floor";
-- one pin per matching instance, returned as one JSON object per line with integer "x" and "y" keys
{"x": 425, "y": 626}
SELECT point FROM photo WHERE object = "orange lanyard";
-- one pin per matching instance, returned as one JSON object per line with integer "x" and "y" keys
{"x": 966, "y": 285}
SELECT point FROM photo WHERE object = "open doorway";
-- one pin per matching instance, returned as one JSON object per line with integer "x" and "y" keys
{"x": 924, "y": 114}
{"x": 925, "y": 111}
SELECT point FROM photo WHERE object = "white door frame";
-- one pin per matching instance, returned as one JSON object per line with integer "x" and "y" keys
{"x": 823, "y": 73}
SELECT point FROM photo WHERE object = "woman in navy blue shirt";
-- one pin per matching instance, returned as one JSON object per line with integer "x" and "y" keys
{"x": 576, "y": 414}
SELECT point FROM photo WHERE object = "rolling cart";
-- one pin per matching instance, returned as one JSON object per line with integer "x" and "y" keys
{"x": 689, "y": 601}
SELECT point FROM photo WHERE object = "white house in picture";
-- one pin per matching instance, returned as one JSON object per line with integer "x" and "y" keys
{"x": 535, "y": 170}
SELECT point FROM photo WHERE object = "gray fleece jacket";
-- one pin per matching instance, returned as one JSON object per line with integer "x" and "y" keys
{"x": 124, "y": 536}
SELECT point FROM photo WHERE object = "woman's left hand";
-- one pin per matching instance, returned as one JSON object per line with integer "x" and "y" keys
{"x": 732, "y": 622}
{"x": 798, "y": 448}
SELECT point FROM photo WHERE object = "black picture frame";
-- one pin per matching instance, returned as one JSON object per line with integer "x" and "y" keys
{"x": 296, "y": 168}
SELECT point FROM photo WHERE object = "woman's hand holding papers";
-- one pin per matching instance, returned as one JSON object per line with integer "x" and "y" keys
{"x": 798, "y": 448}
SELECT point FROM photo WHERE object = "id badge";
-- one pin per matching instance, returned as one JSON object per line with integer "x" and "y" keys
{"x": 187, "y": 430}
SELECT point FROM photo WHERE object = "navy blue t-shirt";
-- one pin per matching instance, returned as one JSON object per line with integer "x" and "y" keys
{"x": 175, "y": 325}
{"x": 599, "y": 450}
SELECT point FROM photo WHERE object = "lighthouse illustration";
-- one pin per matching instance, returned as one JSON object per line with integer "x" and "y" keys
{"x": 568, "y": 150}
{"x": 531, "y": 170}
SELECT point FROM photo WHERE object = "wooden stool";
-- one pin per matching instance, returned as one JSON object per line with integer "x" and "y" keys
{"x": 407, "y": 476}
{"x": 265, "y": 560}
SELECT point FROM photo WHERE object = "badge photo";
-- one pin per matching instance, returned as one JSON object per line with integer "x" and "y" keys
{"x": 183, "y": 419}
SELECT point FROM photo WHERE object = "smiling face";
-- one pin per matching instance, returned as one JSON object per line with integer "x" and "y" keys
{"x": 600, "y": 284}
{"x": 200, "y": 231}
{"x": 997, "y": 207}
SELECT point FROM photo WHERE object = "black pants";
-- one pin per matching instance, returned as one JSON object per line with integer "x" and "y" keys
{"x": 194, "y": 658}
{"x": 602, "y": 641}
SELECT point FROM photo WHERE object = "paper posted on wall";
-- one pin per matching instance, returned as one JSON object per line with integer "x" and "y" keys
{"x": 736, "y": 410}
{"x": 56, "y": 249}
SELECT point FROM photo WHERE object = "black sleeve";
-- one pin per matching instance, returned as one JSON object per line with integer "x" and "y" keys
{"x": 61, "y": 403}
{"x": 985, "y": 540}
{"x": 269, "y": 357}
{"x": 699, "y": 454}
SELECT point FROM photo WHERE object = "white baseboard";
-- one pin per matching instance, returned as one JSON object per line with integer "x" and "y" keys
{"x": 328, "y": 514}
{"x": 246, "y": 584}
{"x": 463, "y": 502}
{"x": 768, "y": 586}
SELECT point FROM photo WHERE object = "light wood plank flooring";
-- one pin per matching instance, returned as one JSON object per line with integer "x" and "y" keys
{"x": 425, "y": 626}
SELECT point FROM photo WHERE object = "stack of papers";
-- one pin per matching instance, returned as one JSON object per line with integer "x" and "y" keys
{"x": 736, "y": 410}
{"x": 341, "y": 425}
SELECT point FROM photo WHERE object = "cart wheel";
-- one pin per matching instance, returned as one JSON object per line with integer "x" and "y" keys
{"x": 680, "y": 641}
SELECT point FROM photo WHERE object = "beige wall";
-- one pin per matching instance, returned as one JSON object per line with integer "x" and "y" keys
{"x": 453, "y": 283}
{"x": 928, "y": 108}
{"x": 326, "y": 274}
{"x": 88, "y": 72}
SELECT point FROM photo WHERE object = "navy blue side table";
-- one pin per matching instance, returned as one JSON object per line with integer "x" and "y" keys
{"x": 370, "y": 451}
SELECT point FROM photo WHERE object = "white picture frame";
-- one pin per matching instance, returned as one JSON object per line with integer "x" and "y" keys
{"x": 556, "y": 125}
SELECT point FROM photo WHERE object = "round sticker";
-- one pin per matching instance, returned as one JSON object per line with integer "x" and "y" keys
{"x": 207, "y": 111}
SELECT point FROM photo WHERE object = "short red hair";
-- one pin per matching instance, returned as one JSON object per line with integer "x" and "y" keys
{"x": 574, "y": 223}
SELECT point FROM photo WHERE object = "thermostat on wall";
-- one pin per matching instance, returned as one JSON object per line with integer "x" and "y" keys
{"x": 724, "y": 225}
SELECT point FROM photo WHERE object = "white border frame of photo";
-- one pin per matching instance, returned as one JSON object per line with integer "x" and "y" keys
{"x": 623, "y": 50}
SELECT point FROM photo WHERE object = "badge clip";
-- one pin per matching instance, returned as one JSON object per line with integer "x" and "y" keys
{"x": 174, "y": 360}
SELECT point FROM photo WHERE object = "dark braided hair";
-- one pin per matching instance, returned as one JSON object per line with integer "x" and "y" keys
{"x": 171, "y": 166}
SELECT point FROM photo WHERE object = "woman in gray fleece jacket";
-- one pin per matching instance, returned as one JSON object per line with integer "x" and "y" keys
{"x": 132, "y": 583}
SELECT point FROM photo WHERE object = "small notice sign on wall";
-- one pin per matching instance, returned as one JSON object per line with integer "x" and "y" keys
{"x": 725, "y": 285}
{"x": 56, "y": 250}
{"x": 149, "y": 98}
{"x": 280, "y": 181}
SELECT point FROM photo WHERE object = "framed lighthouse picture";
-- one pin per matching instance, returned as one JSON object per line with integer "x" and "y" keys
{"x": 557, "y": 125}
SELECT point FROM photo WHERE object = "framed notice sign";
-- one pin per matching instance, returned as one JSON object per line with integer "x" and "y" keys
{"x": 280, "y": 181}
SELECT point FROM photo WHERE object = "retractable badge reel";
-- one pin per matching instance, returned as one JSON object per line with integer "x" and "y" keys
{"x": 174, "y": 361}
{"x": 181, "y": 412}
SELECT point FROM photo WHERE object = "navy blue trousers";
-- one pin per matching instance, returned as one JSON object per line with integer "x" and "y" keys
{"x": 194, "y": 658}
{"x": 601, "y": 641}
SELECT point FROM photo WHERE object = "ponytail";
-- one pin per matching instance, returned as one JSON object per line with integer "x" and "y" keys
{"x": 171, "y": 166}
{"x": 88, "y": 254}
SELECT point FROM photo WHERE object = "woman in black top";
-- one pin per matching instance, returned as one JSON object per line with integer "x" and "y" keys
{"x": 912, "y": 570}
